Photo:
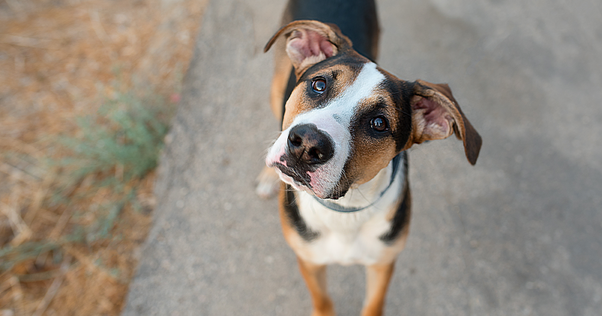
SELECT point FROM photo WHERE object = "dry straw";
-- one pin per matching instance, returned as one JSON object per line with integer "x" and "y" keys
{"x": 69, "y": 249}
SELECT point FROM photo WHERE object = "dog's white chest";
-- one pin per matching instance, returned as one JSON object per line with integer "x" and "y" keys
{"x": 344, "y": 238}
{"x": 351, "y": 238}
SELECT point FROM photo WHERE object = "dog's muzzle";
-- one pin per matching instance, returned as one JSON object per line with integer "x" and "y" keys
{"x": 308, "y": 147}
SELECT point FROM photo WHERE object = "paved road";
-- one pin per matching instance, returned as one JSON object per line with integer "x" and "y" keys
{"x": 518, "y": 234}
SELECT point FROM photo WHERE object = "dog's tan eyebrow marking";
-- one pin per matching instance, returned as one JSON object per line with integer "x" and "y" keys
{"x": 335, "y": 74}
{"x": 376, "y": 103}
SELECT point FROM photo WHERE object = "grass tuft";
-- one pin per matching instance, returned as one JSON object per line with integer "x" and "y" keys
{"x": 112, "y": 152}
{"x": 125, "y": 138}
{"x": 30, "y": 250}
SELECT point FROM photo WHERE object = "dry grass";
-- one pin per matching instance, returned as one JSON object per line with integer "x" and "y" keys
{"x": 72, "y": 249}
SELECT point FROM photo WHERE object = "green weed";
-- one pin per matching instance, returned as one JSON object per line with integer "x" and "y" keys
{"x": 118, "y": 146}
{"x": 12, "y": 255}
{"x": 125, "y": 137}
{"x": 113, "y": 151}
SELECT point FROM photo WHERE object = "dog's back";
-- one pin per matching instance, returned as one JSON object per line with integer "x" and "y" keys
{"x": 356, "y": 18}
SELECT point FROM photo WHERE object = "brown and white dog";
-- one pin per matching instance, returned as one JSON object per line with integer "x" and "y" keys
{"x": 342, "y": 152}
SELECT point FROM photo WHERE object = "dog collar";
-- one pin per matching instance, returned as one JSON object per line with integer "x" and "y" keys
{"x": 342, "y": 209}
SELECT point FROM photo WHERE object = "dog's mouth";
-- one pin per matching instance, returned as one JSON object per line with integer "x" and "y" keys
{"x": 298, "y": 179}
{"x": 302, "y": 182}
{"x": 336, "y": 194}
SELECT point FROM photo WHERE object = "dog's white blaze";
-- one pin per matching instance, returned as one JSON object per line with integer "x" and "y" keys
{"x": 334, "y": 119}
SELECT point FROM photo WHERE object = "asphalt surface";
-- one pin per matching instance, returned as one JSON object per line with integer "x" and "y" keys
{"x": 520, "y": 233}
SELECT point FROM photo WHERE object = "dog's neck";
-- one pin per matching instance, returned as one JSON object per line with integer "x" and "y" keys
{"x": 370, "y": 193}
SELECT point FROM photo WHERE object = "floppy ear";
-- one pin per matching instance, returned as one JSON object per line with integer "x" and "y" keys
{"x": 436, "y": 114}
{"x": 309, "y": 42}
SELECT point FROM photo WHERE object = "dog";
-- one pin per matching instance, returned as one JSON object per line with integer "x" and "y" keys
{"x": 342, "y": 159}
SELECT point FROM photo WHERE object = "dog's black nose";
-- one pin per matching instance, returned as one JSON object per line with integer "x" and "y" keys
{"x": 308, "y": 145}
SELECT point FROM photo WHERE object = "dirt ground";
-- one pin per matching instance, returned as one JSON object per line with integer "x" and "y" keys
{"x": 58, "y": 60}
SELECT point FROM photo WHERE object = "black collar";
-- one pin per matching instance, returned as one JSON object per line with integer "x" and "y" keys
{"x": 342, "y": 209}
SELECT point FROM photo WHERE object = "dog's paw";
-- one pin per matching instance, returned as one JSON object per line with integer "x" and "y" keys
{"x": 268, "y": 183}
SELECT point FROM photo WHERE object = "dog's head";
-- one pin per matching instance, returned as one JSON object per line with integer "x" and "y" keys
{"x": 347, "y": 118}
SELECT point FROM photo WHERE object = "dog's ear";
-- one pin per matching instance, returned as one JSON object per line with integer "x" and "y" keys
{"x": 436, "y": 114}
{"x": 309, "y": 42}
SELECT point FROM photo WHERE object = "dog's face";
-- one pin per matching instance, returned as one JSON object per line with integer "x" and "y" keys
{"x": 347, "y": 118}
{"x": 341, "y": 126}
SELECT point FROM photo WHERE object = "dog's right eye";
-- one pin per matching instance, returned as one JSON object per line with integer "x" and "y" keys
{"x": 318, "y": 85}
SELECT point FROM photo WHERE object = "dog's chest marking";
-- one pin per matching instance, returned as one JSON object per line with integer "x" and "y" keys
{"x": 294, "y": 217}
{"x": 352, "y": 238}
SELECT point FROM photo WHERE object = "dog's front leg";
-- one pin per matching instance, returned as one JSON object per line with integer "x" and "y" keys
{"x": 315, "y": 278}
{"x": 377, "y": 282}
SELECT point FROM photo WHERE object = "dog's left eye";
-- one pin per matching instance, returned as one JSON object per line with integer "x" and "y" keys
{"x": 379, "y": 124}
{"x": 318, "y": 85}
